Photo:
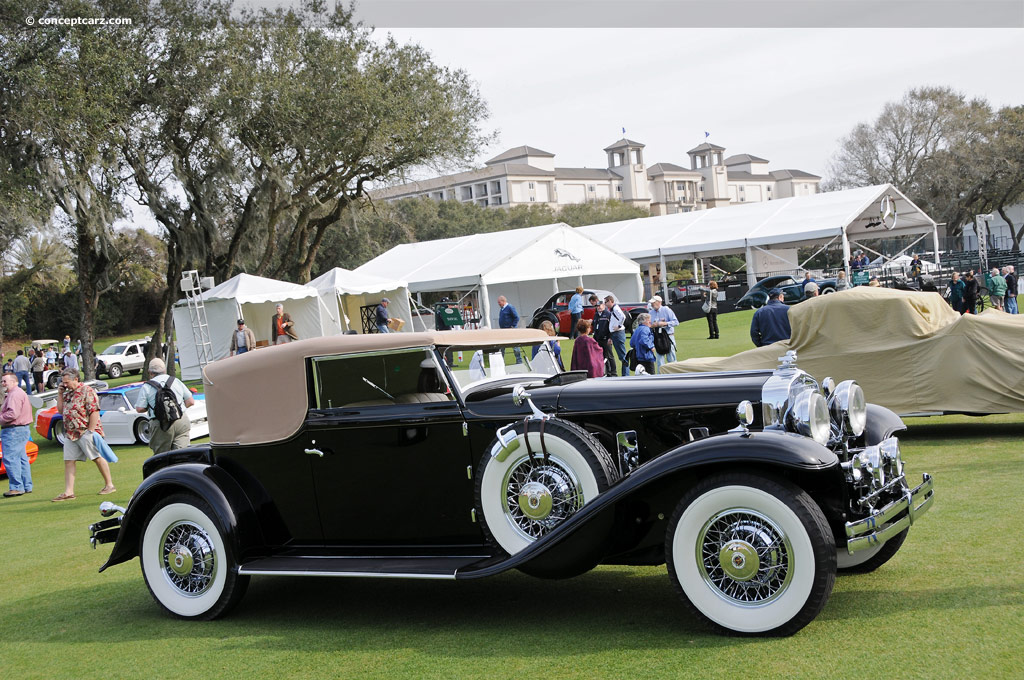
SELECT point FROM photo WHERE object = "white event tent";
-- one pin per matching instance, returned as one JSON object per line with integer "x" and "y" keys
{"x": 527, "y": 266}
{"x": 867, "y": 212}
{"x": 344, "y": 292}
{"x": 252, "y": 298}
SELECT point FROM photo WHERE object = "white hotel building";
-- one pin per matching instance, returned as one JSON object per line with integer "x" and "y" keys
{"x": 525, "y": 175}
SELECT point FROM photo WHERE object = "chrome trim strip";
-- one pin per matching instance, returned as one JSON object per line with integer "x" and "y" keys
{"x": 353, "y": 574}
{"x": 916, "y": 502}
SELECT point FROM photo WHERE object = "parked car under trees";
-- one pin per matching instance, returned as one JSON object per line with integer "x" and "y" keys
{"x": 375, "y": 457}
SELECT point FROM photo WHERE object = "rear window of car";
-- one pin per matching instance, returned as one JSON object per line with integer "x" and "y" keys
{"x": 378, "y": 379}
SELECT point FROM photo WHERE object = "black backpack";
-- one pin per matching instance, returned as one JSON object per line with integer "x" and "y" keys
{"x": 662, "y": 341}
{"x": 166, "y": 408}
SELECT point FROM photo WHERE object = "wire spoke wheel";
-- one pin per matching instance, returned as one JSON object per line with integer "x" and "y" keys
{"x": 745, "y": 556}
{"x": 539, "y": 496}
{"x": 189, "y": 558}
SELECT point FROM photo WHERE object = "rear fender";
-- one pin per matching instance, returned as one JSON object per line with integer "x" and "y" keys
{"x": 805, "y": 461}
{"x": 232, "y": 510}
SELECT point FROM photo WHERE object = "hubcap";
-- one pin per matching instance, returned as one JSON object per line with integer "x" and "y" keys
{"x": 539, "y": 496}
{"x": 535, "y": 500}
{"x": 189, "y": 558}
{"x": 744, "y": 557}
{"x": 738, "y": 560}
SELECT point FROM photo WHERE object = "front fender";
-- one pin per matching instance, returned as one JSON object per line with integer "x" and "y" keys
{"x": 232, "y": 510}
{"x": 768, "y": 450}
{"x": 882, "y": 424}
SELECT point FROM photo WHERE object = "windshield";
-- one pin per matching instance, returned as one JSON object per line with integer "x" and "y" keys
{"x": 472, "y": 365}
{"x": 115, "y": 349}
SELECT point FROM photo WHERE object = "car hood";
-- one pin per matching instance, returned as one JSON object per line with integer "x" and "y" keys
{"x": 662, "y": 391}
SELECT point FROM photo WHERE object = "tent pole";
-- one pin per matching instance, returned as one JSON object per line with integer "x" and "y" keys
{"x": 935, "y": 242}
{"x": 485, "y": 306}
{"x": 696, "y": 277}
{"x": 751, "y": 277}
{"x": 846, "y": 255}
{"x": 664, "y": 276}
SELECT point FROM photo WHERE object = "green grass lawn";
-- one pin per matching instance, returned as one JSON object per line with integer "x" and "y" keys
{"x": 949, "y": 605}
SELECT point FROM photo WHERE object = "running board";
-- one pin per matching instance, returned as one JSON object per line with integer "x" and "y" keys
{"x": 418, "y": 567}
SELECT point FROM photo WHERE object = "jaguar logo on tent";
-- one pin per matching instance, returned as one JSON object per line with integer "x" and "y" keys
{"x": 571, "y": 263}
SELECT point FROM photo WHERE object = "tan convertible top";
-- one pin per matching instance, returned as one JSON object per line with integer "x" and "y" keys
{"x": 261, "y": 396}
{"x": 909, "y": 351}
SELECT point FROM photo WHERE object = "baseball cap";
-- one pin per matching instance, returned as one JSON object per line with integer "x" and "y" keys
{"x": 385, "y": 300}
{"x": 655, "y": 298}
{"x": 775, "y": 292}
{"x": 241, "y": 321}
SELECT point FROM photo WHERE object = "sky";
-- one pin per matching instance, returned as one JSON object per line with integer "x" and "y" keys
{"x": 787, "y": 95}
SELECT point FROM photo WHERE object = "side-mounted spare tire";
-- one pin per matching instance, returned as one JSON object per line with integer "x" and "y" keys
{"x": 528, "y": 488}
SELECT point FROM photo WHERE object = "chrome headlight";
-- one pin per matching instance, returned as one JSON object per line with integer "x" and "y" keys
{"x": 849, "y": 408}
{"x": 809, "y": 416}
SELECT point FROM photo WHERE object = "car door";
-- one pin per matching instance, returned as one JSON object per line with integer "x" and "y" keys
{"x": 392, "y": 466}
{"x": 117, "y": 419}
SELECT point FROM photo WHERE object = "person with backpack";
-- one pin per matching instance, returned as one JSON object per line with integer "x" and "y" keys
{"x": 165, "y": 399}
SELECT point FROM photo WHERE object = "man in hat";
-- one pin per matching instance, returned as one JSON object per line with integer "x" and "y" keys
{"x": 771, "y": 322}
{"x": 242, "y": 339}
{"x": 382, "y": 316}
{"x": 662, "y": 317}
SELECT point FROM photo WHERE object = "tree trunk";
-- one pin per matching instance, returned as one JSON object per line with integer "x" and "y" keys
{"x": 1014, "y": 234}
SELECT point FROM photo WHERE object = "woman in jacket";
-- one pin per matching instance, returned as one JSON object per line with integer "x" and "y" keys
{"x": 956, "y": 293}
{"x": 587, "y": 354}
{"x": 711, "y": 302}
{"x": 642, "y": 343}
{"x": 971, "y": 289}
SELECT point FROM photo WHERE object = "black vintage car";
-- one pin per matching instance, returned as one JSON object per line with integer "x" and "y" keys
{"x": 792, "y": 291}
{"x": 372, "y": 456}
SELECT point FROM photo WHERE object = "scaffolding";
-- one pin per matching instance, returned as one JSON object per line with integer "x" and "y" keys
{"x": 192, "y": 286}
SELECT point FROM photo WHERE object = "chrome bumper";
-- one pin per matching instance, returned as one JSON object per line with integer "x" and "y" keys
{"x": 880, "y": 527}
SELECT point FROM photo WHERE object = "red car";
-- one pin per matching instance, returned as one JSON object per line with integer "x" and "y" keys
{"x": 556, "y": 310}
{"x": 32, "y": 449}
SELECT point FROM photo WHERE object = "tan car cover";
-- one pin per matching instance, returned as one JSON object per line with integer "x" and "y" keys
{"x": 909, "y": 351}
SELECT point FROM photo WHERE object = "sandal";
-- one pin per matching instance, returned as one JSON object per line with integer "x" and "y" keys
{"x": 105, "y": 490}
{"x": 64, "y": 497}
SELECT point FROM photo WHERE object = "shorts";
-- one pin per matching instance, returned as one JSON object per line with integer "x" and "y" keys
{"x": 80, "y": 449}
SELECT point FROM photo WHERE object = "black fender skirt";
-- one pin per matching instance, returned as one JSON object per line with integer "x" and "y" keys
{"x": 766, "y": 450}
{"x": 232, "y": 510}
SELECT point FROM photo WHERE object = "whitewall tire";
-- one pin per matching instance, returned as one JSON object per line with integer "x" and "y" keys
{"x": 751, "y": 554}
{"x": 522, "y": 498}
{"x": 187, "y": 564}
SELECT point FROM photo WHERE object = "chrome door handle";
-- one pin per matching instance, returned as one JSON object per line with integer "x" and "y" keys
{"x": 315, "y": 452}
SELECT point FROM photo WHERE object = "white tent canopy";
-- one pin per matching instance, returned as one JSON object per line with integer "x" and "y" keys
{"x": 527, "y": 266}
{"x": 820, "y": 218}
{"x": 344, "y": 292}
{"x": 252, "y": 298}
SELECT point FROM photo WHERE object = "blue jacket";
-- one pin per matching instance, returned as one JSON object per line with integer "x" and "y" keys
{"x": 770, "y": 324}
{"x": 507, "y": 317}
{"x": 382, "y": 315}
{"x": 642, "y": 343}
{"x": 576, "y": 304}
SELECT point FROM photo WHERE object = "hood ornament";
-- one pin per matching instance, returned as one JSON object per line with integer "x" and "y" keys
{"x": 789, "y": 360}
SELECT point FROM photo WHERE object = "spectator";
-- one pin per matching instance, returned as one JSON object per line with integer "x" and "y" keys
{"x": 874, "y": 282}
{"x": 282, "y": 328}
{"x": 842, "y": 283}
{"x": 51, "y": 357}
{"x": 1011, "y": 289}
{"x": 916, "y": 266}
{"x": 15, "y": 419}
{"x": 971, "y": 291}
{"x": 177, "y": 435}
{"x": 509, "y": 318}
{"x": 382, "y": 316}
{"x": 617, "y": 330}
{"x": 810, "y": 290}
{"x": 575, "y": 311}
{"x": 771, "y": 322}
{"x": 662, "y": 317}
{"x": 38, "y": 366}
{"x": 67, "y": 343}
{"x": 642, "y": 343}
{"x": 602, "y": 319}
{"x": 711, "y": 300}
{"x": 556, "y": 348}
{"x": 956, "y": 293}
{"x": 855, "y": 261}
{"x": 587, "y": 354}
{"x": 996, "y": 288}
{"x": 81, "y": 415}
{"x": 22, "y": 369}
{"x": 242, "y": 339}
{"x": 70, "y": 359}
